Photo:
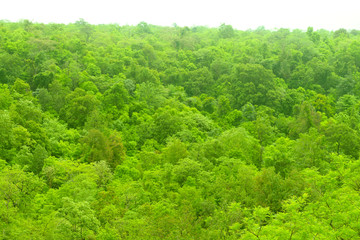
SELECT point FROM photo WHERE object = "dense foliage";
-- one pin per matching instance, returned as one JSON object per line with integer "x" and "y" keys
{"x": 148, "y": 132}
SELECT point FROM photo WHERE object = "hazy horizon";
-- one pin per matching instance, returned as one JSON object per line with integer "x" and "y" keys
{"x": 240, "y": 14}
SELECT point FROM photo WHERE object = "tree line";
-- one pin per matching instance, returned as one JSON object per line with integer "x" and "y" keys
{"x": 150, "y": 132}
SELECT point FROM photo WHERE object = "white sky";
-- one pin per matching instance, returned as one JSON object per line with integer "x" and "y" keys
{"x": 241, "y": 14}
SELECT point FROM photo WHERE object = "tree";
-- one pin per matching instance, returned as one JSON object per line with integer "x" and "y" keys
{"x": 79, "y": 105}
{"x": 280, "y": 156}
{"x": 58, "y": 93}
{"x": 306, "y": 118}
{"x": 85, "y": 29}
{"x": 234, "y": 143}
{"x": 166, "y": 123}
{"x": 24, "y": 111}
{"x": 116, "y": 98}
{"x": 342, "y": 138}
{"x": 199, "y": 81}
{"x": 43, "y": 79}
{"x": 226, "y": 31}
{"x": 18, "y": 188}
{"x": 250, "y": 83}
{"x": 185, "y": 169}
{"x": 118, "y": 151}
{"x": 95, "y": 146}
{"x": 269, "y": 189}
{"x": 174, "y": 151}
{"x": 223, "y": 107}
{"x": 39, "y": 155}
{"x": 6, "y": 132}
{"x": 79, "y": 219}
{"x": 21, "y": 87}
{"x": 310, "y": 150}
{"x": 5, "y": 97}
{"x": 143, "y": 27}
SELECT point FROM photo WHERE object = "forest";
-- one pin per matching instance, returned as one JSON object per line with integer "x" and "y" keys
{"x": 151, "y": 132}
